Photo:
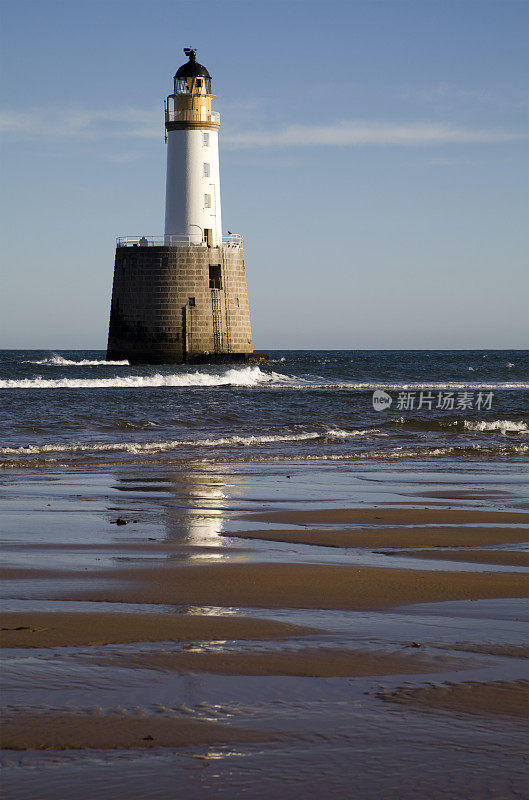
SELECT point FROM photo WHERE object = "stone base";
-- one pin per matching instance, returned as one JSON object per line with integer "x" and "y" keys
{"x": 200, "y": 358}
{"x": 181, "y": 304}
{"x": 125, "y": 354}
{"x": 230, "y": 358}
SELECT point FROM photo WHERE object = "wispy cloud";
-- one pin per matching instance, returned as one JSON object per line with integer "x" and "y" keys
{"x": 246, "y": 105}
{"x": 147, "y": 124}
{"x": 356, "y": 133}
{"x": 124, "y": 158}
{"x": 85, "y": 123}
{"x": 447, "y": 93}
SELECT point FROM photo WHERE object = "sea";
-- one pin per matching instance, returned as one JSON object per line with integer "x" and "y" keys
{"x": 72, "y": 409}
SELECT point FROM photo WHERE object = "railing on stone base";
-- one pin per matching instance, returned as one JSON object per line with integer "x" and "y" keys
{"x": 175, "y": 240}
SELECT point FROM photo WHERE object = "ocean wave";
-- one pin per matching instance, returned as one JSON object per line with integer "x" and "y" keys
{"x": 125, "y": 425}
{"x": 417, "y": 387}
{"x": 248, "y": 376}
{"x": 341, "y": 434}
{"x": 58, "y": 361}
{"x": 454, "y": 455}
{"x": 163, "y": 446}
{"x": 502, "y": 425}
{"x": 470, "y": 426}
{"x": 245, "y": 377}
{"x": 470, "y": 452}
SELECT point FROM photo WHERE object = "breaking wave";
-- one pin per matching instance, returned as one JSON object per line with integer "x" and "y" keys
{"x": 249, "y": 376}
{"x": 245, "y": 377}
{"x": 416, "y": 387}
{"x": 470, "y": 452}
{"x": 502, "y": 425}
{"x": 163, "y": 446}
{"x": 58, "y": 361}
{"x": 435, "y": 424}
{"x": 474, "y": 452}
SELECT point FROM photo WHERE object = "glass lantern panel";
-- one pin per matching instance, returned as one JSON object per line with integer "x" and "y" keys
{"x": 181, "y": 86}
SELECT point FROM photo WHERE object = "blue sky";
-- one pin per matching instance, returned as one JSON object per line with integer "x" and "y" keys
{"x": 373, "y": 155}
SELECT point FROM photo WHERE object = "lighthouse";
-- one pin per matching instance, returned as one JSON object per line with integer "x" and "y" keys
{"x": 192, "y": 198}
{"x": 181, "y": 296}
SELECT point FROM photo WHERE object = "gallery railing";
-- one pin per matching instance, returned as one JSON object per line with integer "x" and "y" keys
{"x": 191, "y": 116}
{"x": 176, "y": 240}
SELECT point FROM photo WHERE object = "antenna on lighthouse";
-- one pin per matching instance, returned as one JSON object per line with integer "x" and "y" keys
{"x": 191, "y": 53}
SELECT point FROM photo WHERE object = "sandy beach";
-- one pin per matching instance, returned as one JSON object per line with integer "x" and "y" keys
{"x": 509, "y": 559}
{"x": 64, "y": 630}
{"x": 301, "y": 586}
{"x": 180, "y": 643}
{"x": 80, "y": 732}
{"x": 407, "y": 536}
{"x": 507, "y": 698}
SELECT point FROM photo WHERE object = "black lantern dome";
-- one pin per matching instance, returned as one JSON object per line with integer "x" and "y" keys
{"x": 192, "y": 69}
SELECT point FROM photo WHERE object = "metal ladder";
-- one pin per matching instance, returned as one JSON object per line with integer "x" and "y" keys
{"x": 217, "y": 320}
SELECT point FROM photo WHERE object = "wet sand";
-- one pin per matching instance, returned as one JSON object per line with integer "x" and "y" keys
{"x": 505, "y": 557}
{"x": 509, "y": 698}
{"x": 491, "y": 649}
{"x": 279, "y": 585}
{"x": 430, "y": 536}
{"x": 52, "y": 731}
{"x": 390, "y": 516}
{"x": 303, "y": 663}
{"x": 37, "y": 629}
{"x": 265, "y": 643}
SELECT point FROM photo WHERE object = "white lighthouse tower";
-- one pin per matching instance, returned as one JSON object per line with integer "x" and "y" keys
{"x": 192, "y": 198}
{"x": 182, "y": 297}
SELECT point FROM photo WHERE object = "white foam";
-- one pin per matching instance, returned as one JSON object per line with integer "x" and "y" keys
{"x": 340, "y": 434}
{"x": 503, "y": 425}
{"x": 163, "y": 446}
{"x": 58, "y": 361}
{"x": 423, "y": 452}
{"x": 416, "y": 387}
{"x": 474, "y": 451}
{"x": 248, "y": 376}
{"x": 434, "y": 452}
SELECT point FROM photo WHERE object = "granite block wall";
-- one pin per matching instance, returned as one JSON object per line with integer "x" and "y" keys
{"x": 164, "y": 309}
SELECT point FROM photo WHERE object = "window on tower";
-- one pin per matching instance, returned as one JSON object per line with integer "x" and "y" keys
{"x": 205, "y": 139}
{"x": 215, "y": 276}
{"x": 206, "y": 170}
{"x": 207, "y": 201}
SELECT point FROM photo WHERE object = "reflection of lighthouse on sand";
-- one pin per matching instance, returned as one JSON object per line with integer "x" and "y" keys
{"x": 182, "y": 297}
{"x": 200, "y": 507}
